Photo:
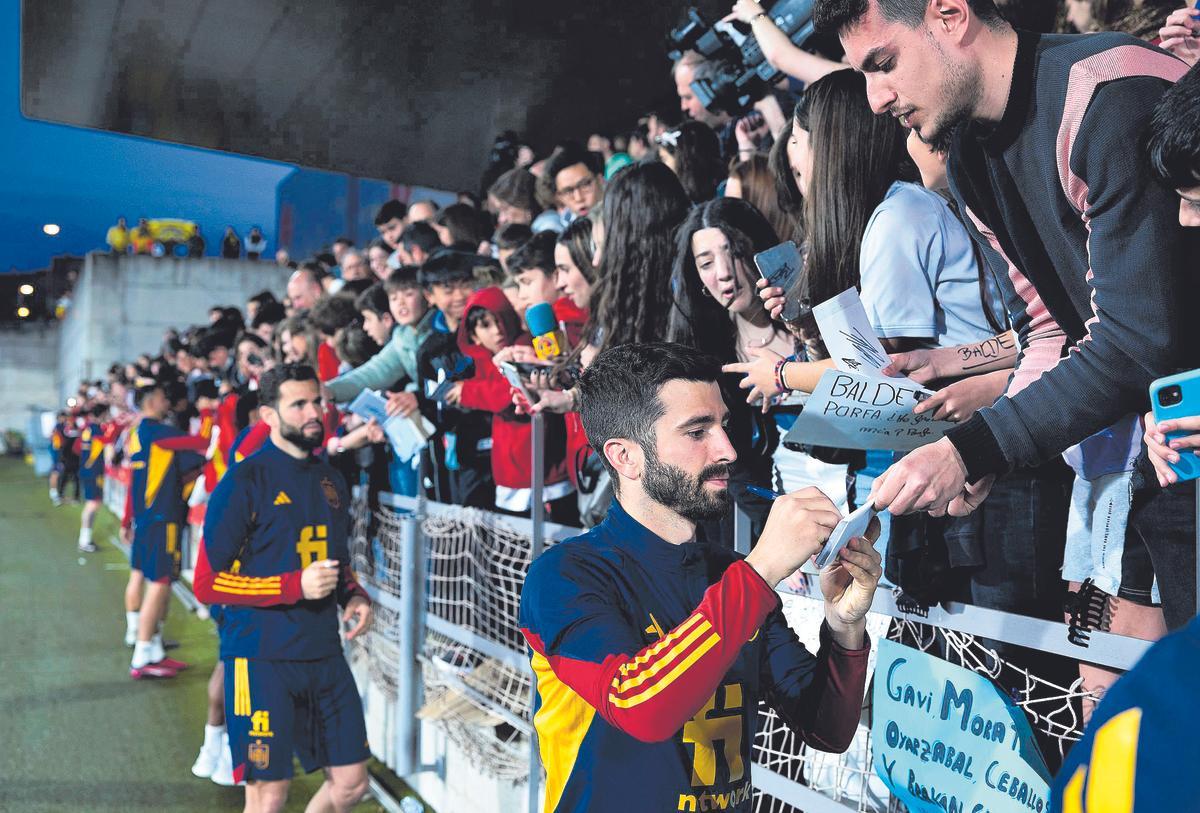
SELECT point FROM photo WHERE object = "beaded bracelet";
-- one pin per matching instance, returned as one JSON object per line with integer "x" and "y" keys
{"x": 779, "y": 382}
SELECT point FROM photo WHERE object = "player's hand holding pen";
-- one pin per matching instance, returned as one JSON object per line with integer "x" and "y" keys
{"x": 805, "y": 521}
{"x": 319, "y": 579}
{"x": 796, "y": 530}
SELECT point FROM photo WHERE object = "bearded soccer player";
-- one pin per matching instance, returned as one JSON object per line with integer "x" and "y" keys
{"x": 164, "y": 463}
{"x": 651, "y": 650}
{"x": 275, "y": 555}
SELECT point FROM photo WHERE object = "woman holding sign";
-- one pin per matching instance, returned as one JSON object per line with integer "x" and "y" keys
{"x": 871, "y": 226}
{"x": 716, "y": 309}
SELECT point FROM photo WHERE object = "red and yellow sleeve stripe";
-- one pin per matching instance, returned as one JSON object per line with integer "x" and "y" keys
{"x": 657, "y": 668}
{"x": 224, "y": 587}
{"x": 226, "y": 582}
{"x": 651, "y": 694}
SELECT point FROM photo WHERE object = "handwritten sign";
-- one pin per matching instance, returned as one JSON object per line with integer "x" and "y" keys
{"x": 946, "y": 740}
{"x": 850, "y": 339}
{"x": 852, "y": 411}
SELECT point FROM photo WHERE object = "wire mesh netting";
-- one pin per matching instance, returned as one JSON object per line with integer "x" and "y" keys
{"x": 477, "y": 563}
{"x": 362, "y": 532}
{"x": 481, "y": 704}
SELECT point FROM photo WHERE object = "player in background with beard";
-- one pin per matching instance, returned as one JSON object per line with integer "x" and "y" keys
{"x": 275, "y": 555}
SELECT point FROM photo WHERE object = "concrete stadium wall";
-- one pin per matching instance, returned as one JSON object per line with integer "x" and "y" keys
{"x": 123, "y": 305}
{"x": 28, "y": 372}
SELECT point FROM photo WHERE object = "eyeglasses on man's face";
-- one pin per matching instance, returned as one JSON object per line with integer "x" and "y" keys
{"x": 579, "y": 188}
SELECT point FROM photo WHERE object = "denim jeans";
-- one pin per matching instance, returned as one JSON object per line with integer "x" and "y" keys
{"x": 1018, "y": 550}
{"x": 1164, "y": 519}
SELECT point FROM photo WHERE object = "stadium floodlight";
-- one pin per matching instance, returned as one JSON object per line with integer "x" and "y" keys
{"x": 51, "y": 229}
{"x": 23, "y": 312}
{"x": 27, "y": 289}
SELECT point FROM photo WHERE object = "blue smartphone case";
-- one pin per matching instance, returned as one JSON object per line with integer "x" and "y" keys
{"x": 1188, "y": 467}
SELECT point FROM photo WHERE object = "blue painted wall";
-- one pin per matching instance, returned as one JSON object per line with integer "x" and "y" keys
{"x": 84, "y": 179}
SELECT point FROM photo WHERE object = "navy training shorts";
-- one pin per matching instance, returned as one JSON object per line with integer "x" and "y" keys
{"x": 277, "y": 709}
{"x": 156, "y": 551}
{"x": 93, "y": 486}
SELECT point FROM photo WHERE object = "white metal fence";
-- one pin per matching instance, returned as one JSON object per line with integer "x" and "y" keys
{"x": 447, "y": 583}
{"x": 446, "y": 648}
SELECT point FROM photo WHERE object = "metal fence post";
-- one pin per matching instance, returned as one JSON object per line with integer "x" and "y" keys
{"x": 537, "y": 507}
{"x": 412, "y": 598}
{"x": 537, "y": 514}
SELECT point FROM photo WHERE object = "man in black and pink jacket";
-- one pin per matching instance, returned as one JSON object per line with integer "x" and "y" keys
{"x": 1045, "y": 160}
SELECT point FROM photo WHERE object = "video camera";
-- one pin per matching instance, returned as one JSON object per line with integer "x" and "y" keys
{"x": 740, "y": 75}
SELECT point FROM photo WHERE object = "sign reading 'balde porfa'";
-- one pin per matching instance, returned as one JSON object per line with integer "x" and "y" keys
{"x": 947, "y": 740}
{"x": 851, "y": 411}
{"x": 857, "y": 406}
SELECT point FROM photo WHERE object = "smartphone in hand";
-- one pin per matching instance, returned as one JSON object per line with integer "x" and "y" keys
{"x": 513, "y": 375}
{"x": 1178, "y": 396}
{"x": 780, "y": 267}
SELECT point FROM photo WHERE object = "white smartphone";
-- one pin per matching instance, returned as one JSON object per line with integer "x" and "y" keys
{"x": 514, "y": 378}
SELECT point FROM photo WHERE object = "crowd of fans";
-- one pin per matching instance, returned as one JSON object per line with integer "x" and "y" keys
{"x": 182, "y": 238}
{"x": 1034, "y": 346}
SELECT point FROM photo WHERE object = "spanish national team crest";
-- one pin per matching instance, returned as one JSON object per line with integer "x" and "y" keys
{"x": 260, "y": 755}
{"x": 331, "y": 494}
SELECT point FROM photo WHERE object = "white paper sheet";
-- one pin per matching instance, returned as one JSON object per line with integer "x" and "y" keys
{"x": 850, "y": 339}
{"x": 408, "y": 435}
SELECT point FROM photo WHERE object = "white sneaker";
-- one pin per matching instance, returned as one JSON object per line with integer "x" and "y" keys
{"x": 206, "y": 762}
{"x": 90, "y": 547}
{"x": 130, "y": 638}
{"x": 222, "y": 772}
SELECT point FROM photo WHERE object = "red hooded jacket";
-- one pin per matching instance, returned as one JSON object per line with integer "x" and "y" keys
{"x": 488, "y": 390}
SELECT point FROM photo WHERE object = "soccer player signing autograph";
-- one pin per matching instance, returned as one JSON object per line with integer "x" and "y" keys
{"x": 275, "y": 555}
{"x": 651, "y": 650}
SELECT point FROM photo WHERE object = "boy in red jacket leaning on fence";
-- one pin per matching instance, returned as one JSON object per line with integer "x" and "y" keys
{"x": 489, "y": 325}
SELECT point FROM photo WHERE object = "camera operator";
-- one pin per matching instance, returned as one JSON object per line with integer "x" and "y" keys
{"x": 777, "y": 47}
{"x": 692, "y": 66}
